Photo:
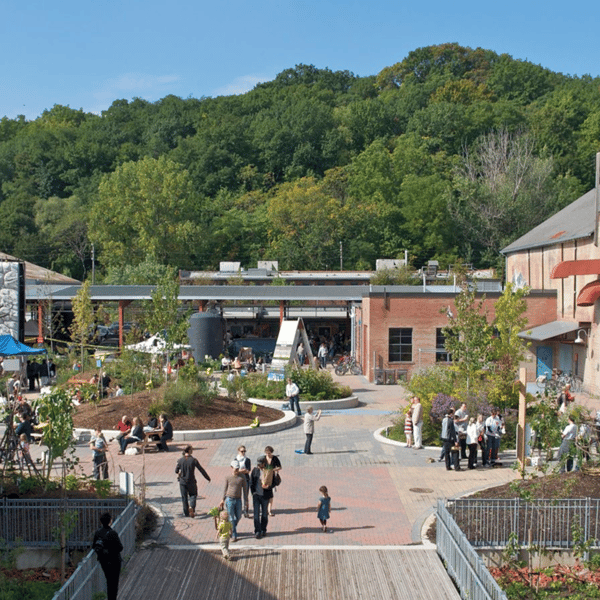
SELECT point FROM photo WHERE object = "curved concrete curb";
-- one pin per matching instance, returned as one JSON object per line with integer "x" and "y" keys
{"x": 342, "y": 403}
{"x": 381, "y": 438}
{"x": 288, "y": 420}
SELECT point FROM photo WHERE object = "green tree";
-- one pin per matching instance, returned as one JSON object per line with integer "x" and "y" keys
{"x": 146, "y": 209}
{"x": 162, "y": 314}
{"x": 306, "y": 224}
{"x": 83, "y": 323}
{"x": 469, "y": 335}
{"x": 508, "y": 349}
{"x": 501, "y": 190}
{"x": 148, "y": 272}
{"x": 56, "y": 415}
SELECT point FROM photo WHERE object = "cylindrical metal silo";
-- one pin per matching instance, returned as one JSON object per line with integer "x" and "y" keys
{"x": 206, "y": 335}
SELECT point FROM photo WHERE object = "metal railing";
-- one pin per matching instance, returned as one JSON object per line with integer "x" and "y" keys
{"x": 36, "y": 522}
{"x": 464, "y": 565}
{"x": 547, "y": 523}
{"x": 88, "y": 578}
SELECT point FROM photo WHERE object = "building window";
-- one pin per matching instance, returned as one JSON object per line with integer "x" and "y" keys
{"x": 440, "y": 347}
{"x": 400, "y": 344}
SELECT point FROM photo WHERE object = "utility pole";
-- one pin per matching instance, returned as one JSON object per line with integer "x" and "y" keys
{"x": 341, "y": 257}
{"x": 93, "y": 264}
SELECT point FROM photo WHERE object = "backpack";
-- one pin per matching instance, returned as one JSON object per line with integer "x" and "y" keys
{"x": 99, "y": 547}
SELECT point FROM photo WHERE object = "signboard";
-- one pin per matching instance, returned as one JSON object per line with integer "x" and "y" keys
{"x": 291, "y": 333}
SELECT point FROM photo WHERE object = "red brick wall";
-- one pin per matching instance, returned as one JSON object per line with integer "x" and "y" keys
{"x": 424, "y": 313}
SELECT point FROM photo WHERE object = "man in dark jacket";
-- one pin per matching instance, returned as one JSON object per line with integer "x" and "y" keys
{"x": 108, "y": 547}
{"x": 449, "y": 437}
{"x": 187, "y": 480}
{"x": 165, "y": 432}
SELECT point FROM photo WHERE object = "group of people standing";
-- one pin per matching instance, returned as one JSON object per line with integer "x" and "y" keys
{"x": 461, "y": 432}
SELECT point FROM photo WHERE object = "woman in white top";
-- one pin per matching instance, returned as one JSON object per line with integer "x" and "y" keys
{"x": 245, "y": 467}
{"x": 472, "y": 436}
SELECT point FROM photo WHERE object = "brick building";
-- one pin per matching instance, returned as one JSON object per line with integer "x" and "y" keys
{"x": 399, "y": 329}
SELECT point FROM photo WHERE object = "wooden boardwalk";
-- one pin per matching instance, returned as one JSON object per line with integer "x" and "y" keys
{"x": 287, "y": 574}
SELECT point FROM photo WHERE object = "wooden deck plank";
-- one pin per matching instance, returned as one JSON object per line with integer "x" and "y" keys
{"x": 287, "y": 574}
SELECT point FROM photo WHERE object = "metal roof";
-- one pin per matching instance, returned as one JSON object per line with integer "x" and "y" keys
{"x": 107, "y": 293}
{"x": 573, "y": 222}
{"x": 549, "y": 330}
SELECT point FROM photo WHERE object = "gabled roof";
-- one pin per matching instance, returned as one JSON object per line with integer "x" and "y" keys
{"x": 573, "y": 222}
{"x": 40, "y": 275}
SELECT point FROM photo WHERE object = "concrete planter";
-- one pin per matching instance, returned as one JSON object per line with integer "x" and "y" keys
{"x": 342, "y": 403}
{"x": 288, "y": 420}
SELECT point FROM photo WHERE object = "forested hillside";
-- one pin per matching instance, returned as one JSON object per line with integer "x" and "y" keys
{"x": 450, "y": 153}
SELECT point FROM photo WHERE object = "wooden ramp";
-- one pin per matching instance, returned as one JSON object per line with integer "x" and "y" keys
{"x": 287, "y": 574}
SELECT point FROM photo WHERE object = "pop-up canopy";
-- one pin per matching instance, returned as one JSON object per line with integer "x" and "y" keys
{"x": 11, "y": 347}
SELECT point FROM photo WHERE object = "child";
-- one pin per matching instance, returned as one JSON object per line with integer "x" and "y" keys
{"x": 224, "y": 529}
{"x": 408, "y": 428}
{"x": 323, "y": 507}
{"x": 24, "y": 446}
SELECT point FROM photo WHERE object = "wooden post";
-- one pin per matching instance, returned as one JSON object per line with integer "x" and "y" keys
{"x": 522, "y": 415}
{"x": 40, "y": 337}
{"x": 281, "y": 311}
{"x": 122, "y": 305}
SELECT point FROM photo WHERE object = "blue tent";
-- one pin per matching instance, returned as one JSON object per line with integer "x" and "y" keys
{"x": 11, "y": 347}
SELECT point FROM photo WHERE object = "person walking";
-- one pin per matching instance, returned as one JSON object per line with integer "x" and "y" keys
{"x": 324, "y": 507}
{"x": 235, "y": 485}
{"x": 108, "y": 548}
{"x": 417, "y": 421}
{"x": 186, "y": 477}
{"x": 292, "y": 393}
{"x": 245, "y": 468}
{"x": 224, "y": 528}
{"x": 322, "y": 355}
{"x": 262, "y": 492}
{"x": 309, "y": 427}
{"x": 274, "y": 464}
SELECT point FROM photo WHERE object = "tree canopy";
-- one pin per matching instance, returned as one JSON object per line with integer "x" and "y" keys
{"x": 382, "y": 163}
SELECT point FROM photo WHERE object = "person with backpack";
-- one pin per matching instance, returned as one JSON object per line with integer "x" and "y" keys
{"x": 108, "y": 548}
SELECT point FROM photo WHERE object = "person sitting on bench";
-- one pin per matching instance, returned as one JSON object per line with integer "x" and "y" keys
{"x": 165, "y": 432}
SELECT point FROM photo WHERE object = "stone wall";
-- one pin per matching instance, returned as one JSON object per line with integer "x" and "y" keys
{"x": 11, "y": 311}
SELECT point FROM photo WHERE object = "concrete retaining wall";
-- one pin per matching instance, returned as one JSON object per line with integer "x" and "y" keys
{"x": 342, "y": 403}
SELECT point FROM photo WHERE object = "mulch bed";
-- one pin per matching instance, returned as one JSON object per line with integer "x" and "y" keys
{"x": 221, "y": 413}
{"x": 41, "y": 574}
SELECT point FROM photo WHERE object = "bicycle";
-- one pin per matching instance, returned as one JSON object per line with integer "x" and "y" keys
{"x": 348, "y": 363}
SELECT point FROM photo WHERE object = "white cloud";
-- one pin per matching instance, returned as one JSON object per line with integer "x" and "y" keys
{"x": 240, "y": 85}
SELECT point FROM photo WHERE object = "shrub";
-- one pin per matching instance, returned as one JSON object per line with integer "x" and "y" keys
{"x": 314, "y": 386}
{"x": 145, "y": 522}
{"x": 440, "y": 406}
{"x": 184, "y": 397}
{"x": 317, "y": 385}
{"x": 256, "y": 385}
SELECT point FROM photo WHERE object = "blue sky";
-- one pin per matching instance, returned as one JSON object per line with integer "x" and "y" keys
{"x": 87, "y": 54}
